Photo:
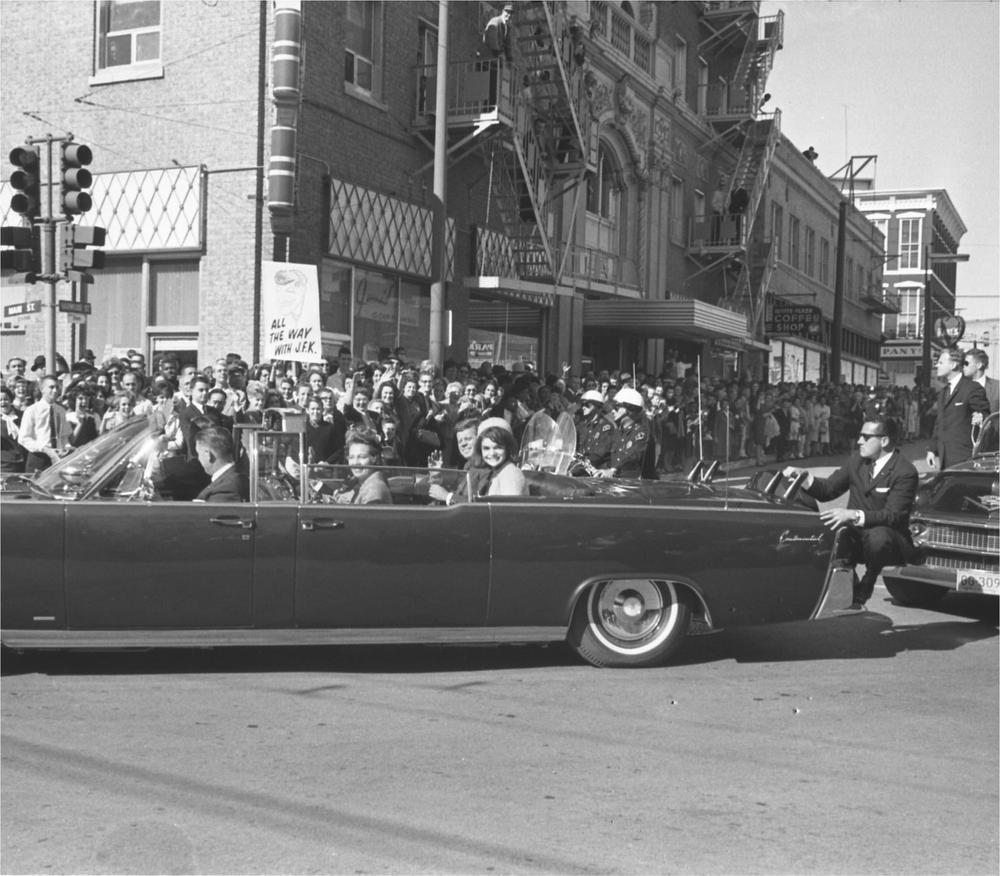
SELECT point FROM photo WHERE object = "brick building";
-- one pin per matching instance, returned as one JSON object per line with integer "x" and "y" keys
{"x": 917, "y": 225}
{"x": 620, "y": 190}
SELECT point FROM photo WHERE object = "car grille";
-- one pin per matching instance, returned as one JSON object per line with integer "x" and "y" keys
{"x": 979, "y": 541}
{"x": 943, "y": 561}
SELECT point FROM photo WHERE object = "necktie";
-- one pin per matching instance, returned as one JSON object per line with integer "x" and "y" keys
{"x": 53, "y": 427}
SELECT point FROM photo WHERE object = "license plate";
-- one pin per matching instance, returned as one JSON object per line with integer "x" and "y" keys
{"x": 978, "y": 581}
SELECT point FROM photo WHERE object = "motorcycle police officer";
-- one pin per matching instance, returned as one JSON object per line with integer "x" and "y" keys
{"x": 632, "y": 450}
{"x": 595, "y": 431}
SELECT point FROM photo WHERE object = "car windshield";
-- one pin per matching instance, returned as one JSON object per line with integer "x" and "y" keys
{"x": 84, "y": 470}
{"x": 988, "y": 439}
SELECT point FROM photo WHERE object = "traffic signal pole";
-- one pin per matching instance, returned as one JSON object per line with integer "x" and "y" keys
{"x": 47, "y": 241}
{"x": 59, "y": 254}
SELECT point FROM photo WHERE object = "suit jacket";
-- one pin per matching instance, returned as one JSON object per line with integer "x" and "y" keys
{"x": 887, "y": 500}
{"x": 993, "y": 394}
{"x": 952, "y": 438}
{"x": 230, "y": 486}
{"x": 184, "y": 420}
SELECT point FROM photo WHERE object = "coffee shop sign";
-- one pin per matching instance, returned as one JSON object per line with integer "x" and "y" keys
{"x": 795, "y": 319}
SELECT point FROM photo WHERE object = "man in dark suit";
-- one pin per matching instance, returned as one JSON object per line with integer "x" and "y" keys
{"x": 882, "y": 486}
{"x": 214, "y": 448}
{"x": 958, "y": 403}
{"x": 976, "y": 363}
{"x": 196, "y": 408}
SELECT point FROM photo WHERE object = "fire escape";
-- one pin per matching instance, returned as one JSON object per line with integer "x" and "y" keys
{"x": 527, "y": 123}
{"x": 738, "y": 40}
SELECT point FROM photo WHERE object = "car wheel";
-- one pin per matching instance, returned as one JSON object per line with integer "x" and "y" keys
{"x": 913, "y": 592}
{"x": 633, "y": 622}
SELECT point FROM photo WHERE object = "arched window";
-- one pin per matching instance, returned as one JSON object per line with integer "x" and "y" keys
{"x": 603, "y": 187}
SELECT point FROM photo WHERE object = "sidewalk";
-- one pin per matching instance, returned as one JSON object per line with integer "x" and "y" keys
{"x": 915, "y": 451}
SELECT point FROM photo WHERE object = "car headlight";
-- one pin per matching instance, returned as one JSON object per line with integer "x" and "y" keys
{"x": 918, "y": 532}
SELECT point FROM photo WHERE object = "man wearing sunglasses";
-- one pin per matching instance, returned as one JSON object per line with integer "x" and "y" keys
{"x": 882, "y": 487}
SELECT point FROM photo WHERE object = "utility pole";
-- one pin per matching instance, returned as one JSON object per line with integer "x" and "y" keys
{"x": 838, "y": 294}
{"x": 439, "y": 239}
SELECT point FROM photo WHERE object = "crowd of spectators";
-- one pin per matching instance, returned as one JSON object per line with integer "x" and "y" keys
{"x": 414, "y": 408}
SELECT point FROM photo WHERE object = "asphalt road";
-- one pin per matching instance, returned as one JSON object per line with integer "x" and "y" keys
{"x": 862, "y": 744}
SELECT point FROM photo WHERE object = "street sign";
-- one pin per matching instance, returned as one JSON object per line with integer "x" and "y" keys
{"x": 76, "y": 318}
{"x": 22, "y": 308}
{"x": 67, "y": 306}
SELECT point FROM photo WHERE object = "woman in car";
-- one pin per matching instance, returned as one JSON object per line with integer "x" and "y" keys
{"x": 495, "y": 450}
{"x": 365, "y": 486}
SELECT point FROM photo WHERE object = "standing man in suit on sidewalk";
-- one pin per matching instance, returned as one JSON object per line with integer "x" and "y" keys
{"x": 215, "y": 453}
{"x": 882, "y": 484}
{"x": 976, "y": 363}
{"x": 959, "y": 403}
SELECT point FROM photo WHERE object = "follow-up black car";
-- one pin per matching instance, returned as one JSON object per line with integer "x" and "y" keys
{"x": 100, "y": 551}
{"x": 956, "y": 529}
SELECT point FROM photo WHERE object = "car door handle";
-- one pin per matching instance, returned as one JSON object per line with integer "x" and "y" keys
{"x": 232, "y": 521}
{"x": 310, "y": 525}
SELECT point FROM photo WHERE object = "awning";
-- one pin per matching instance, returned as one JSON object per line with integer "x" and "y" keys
{"x": 685, "y": 319}
{"x": 510, "y": 289}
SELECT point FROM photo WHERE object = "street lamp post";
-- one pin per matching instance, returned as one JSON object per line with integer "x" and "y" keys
{"x": 929, "y": 259}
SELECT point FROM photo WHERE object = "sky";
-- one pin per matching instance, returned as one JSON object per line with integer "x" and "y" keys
{"x": 915, "y": 82}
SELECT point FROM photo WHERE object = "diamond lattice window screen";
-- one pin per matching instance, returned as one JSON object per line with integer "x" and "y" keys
{"x": 140, "y": 209}
{"x": 377, "y": 229}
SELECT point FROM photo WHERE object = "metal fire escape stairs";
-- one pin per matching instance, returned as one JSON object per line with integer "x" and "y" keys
{"x": 547, "y": 151}
{"x": 728, "y": 242}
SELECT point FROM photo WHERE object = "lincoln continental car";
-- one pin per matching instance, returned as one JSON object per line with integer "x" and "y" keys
{"x": 102, "y": 551}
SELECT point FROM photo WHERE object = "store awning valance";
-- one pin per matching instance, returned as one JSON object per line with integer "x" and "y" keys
{"x": 683, "y": 319}
{"x": 508, "y": 289}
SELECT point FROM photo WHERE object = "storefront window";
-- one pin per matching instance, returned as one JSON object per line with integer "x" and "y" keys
{"x": 376, "y": 310}
{"x": 115, "y": 299}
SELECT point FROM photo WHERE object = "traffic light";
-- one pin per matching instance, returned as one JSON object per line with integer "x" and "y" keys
{"x": 75, "y": 255}
{"x": 22, "y": 257}
{"x": 25, "y": 178}
{"x": 74, "y": 178}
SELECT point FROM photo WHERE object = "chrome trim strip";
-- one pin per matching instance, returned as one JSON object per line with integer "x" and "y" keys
{"x": 261, "y": 637}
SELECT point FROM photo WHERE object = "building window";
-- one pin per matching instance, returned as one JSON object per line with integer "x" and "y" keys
{"x": 777, "y": 227}
{"x": 849, "y": 278}
{"x": 824, "y": 261}
{"x": 603, "y": 187}
{"x": 810, "y": 252}
{"x": 910, "y": 309}
{"x": 677, "y": 210}
{"x": 702, "y": 86}
{"x": 679, "y": 70}
{"x": 909, "y": 244}
{"x": 375, "y": 309}
{"x": 130, "y": 300}
{"x": 128, "y": 40}
{"x": 862, "y": 289}
{"x": 363, "y": 47}
{"x": 793, "y": 242}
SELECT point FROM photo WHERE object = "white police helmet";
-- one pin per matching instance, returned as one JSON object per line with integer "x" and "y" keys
{"x": 628, "y": 396}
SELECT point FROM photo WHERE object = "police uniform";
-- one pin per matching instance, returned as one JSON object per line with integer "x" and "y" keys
{"x": 628, "y": 448}
{"x": 595, "y": 438}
